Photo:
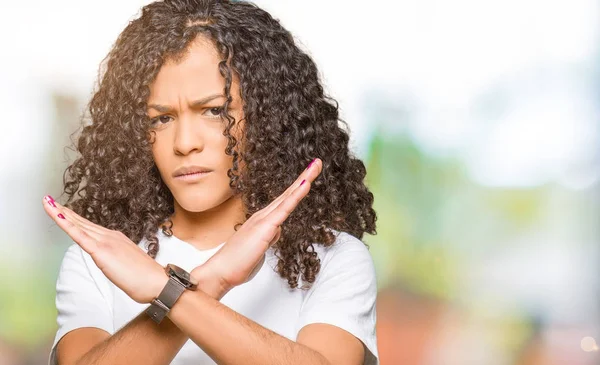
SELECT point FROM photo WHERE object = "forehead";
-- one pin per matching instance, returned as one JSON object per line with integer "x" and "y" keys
{"x": 194, "y": 74}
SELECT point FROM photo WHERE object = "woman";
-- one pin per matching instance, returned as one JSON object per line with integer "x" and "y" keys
{"x": 201, "y": 129}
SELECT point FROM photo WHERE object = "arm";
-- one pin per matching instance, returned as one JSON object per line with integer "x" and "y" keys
{"x": 85, "y": 322}
{"x": 230, "y": 338}
{"x": 141, "y": 341}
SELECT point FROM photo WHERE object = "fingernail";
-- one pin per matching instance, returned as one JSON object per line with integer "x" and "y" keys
{"x": 310, "y": 164}
{"x": 302, "y": 183}
{"x": 50, "y": 200}
{"x": 61, "y": 216}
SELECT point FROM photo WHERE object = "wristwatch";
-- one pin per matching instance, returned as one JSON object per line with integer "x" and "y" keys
{"x": 179, "y": 280}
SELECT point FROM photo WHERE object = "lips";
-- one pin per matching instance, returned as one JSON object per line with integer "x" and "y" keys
{"x": 190, "y": 170}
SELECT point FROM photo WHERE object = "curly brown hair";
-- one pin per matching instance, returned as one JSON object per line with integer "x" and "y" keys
{"x": 288, "y": 122}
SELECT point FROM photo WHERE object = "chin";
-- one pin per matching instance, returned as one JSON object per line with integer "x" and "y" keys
{"x": 200, "y": 202}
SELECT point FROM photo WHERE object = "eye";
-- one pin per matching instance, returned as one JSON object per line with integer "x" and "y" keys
{"x": 214, "y": 112}
{"x": 162, "y": 119}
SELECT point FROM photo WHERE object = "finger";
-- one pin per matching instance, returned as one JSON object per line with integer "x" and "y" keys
{"x": 78, "y": 235}
{"x": 280, "y": 213}
{"x": 70, "y": 214}
{"x": 75, "y": 218}
{"x": 310, "y": 174}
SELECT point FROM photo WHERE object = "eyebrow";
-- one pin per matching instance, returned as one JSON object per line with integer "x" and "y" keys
{"x": 194, "y": 104}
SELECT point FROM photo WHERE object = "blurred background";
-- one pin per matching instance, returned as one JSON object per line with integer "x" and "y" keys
{"x": 478, "y": 123}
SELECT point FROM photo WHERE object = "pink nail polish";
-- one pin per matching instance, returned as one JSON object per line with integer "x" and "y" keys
{"x": 50, "y": 200}
{"x": 311, "y": 163}
{"x": 61, "y": 216}
{"x": 302, "y": 183}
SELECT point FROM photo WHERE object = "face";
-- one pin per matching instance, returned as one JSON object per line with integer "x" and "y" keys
{"x": 185, "y": 102}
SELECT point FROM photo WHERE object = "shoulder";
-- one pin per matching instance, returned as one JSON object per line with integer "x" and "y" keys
{"x": 345, "y": 247}
{"x": 344, "y": 292}
{"x": 346, "y": 241}
{"x": 348, "y": 257}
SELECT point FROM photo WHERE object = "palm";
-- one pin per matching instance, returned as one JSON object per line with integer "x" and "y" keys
{"x": 122, "y": 261}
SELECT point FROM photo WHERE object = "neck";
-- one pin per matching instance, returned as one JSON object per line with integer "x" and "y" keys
{"x": 208, "y": 229}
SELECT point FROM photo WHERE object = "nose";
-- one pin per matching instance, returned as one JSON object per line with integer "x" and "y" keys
{"x": 188, "y": 137}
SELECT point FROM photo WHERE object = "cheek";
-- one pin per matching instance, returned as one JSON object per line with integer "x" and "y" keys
{"x": 156, "y": 152}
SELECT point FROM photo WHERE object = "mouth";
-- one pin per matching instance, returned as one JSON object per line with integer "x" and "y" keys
{"x": 194, "y": 176}
{"x": 191, "y": 172}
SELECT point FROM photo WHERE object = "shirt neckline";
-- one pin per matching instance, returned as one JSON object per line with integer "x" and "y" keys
{"x": 181, "y": 242}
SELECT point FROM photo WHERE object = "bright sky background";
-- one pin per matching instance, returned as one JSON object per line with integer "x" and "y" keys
{"x": 436, "y": 58}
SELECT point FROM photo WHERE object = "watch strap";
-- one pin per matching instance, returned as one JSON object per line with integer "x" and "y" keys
{"x": 171, "y": 292}
{"x": 160, "y": 306}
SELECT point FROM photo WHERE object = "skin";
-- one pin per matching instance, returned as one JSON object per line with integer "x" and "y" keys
{"x": 205, "y": 214}
{"x": 192, "y": 134}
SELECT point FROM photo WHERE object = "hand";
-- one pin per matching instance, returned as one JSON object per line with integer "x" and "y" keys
{"x": 122, "y": 261}
{"x": 242, "y": 256}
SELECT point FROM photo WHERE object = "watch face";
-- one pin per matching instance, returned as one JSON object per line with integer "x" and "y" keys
{"x": 179, "y": 273}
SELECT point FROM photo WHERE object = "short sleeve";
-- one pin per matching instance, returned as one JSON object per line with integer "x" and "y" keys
{"x": 344, "y": 294}
{"x": 82, "y": 296}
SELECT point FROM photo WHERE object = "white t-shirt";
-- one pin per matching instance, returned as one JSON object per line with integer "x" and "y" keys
{"x": 342, "y": 295}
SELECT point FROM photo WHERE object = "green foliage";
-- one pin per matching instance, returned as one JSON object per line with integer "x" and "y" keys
{"x": 432, "y": 217}
{"x": 30, "y": 315}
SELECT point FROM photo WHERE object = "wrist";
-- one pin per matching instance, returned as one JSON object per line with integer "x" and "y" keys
{"x": 159, "y": 285}
{"x": 211, "y": 286}
{"x": 171, "y": 286}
